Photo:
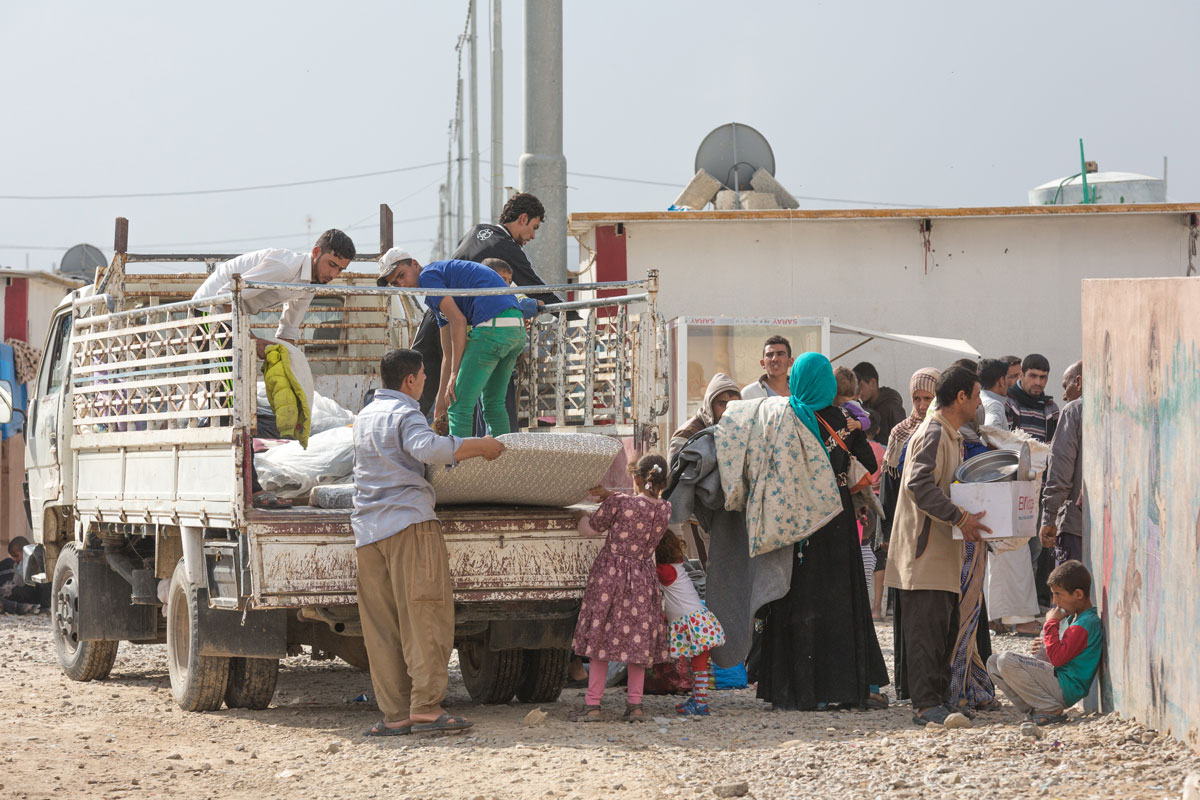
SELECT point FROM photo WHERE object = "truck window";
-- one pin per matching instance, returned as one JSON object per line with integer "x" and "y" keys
{"x": 59, "y": 353}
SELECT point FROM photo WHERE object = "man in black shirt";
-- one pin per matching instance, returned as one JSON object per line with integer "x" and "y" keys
{"x": 519, "y": 220}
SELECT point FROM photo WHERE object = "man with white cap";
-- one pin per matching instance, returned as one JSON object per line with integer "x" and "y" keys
{"x": 478, "y": 364}
{"x": 332, "y": 253}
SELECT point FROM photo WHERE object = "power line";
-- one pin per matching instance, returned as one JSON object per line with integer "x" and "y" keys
{"x": 357, "y": 176}
{"x": 222, "y": 241}
{"x": 194, "y": 192}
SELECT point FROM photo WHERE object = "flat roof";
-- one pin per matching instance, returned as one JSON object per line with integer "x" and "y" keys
{"x": 581, "y": 221}
{"x": 47, "y": 277}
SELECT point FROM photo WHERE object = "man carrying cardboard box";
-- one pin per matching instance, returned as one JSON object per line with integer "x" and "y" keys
{"x": 924, "y": 560}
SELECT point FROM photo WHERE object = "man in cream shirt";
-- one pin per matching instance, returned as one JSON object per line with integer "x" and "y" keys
{"x": 332, "y": 253}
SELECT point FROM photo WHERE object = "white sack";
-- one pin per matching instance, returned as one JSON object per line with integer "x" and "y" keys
{"x": 291, "y": 471}
{"x": 1008, "y": 586}
{"x": 326, "y": 413}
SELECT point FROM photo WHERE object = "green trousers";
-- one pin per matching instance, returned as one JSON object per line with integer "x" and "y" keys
{"x": 487, "y": 365}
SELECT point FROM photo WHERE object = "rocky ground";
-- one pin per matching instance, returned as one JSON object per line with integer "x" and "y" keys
{"x": 125, "y": 738}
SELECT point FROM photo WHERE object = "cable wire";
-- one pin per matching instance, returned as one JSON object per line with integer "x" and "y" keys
{"x": 194, "y": 192}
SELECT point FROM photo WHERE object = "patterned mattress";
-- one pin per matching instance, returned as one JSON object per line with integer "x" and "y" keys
{"x": 537, "y": 469}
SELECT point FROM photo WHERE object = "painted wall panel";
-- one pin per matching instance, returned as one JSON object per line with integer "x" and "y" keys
{"x": 1141, "y": 341}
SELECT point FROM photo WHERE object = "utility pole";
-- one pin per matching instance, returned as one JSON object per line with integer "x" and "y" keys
{"x": 543, "y": 167}
{"x": 459, "y": 227}
{"x": 474, "y": 118}
{"x": 497, "y": 156}
{"x": 439, "y": 247}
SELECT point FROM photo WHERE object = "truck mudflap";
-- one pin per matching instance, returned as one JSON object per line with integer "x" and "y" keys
{"x": 104, "y": 605}
{"x": 305, "y": 557}
{"x": 253, "y": 633}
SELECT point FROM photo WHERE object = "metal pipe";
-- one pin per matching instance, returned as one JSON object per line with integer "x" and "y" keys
{"x": 599, "y": 303}
{"x": 474, "y": 116}
{"x": 220, "y": 299}
{"x": 388, "y": 290}
{"x": 1083, "y": 171}
{"x": 543, "y": 167}
{"x": 193, "y": 555}
{"x": 497, "y": 155}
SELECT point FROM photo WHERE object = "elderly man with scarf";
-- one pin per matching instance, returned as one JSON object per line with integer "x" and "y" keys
{"x": 818, "y": 644}
{"x": 721, "y": 390}
{"x": 920, "y": 390}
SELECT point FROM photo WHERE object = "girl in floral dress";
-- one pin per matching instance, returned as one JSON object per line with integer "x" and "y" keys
{"x": 621, "y": 618}
{"x": 693, "y": 630}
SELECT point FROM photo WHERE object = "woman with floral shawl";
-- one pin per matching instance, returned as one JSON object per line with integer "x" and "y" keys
{"x": 818, "y": 643}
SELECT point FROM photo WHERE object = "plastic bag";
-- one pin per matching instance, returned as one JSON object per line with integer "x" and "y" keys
{"x": 289, "y": 470}
{"x": 326, "y": 413}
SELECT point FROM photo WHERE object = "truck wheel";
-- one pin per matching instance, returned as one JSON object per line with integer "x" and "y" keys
{"x": 80, "y": 660}
{"x": 491, "y": 676}
{"x": 545, "y": 675}
{"x": 197, "y": 682}
{"x": 251, "y": 682}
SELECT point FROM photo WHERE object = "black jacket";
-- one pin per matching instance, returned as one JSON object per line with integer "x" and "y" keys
{"x": 483, "y": 241}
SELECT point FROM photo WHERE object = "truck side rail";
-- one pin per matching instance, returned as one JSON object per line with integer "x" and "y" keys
{"x": 159, "y": 368}
{"x": 604, "y": 373}
{"x": 160, "y": 416}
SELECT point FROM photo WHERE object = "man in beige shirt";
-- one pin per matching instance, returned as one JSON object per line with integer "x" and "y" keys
{"x": 924, "y": 560}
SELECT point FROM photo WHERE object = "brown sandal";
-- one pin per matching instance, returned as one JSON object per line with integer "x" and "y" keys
{"x": 585, "y": 714}
{"x": 634, "y": 712}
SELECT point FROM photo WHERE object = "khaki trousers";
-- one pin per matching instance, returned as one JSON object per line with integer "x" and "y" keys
{"x": 407, "y": 611}
{"x": 1029, "y": 682}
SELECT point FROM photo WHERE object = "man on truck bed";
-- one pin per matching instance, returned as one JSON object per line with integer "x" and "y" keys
{"x": 475, "y": 366}
{"x": 404, "y": 593}
{"x": 332, "y": 253}
{"x": 518, "y": 224}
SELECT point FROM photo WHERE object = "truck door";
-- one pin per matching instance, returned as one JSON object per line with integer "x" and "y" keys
{"x": 47, "y": 447}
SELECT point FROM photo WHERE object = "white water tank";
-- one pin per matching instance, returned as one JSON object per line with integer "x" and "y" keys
{"x": 1105, "y": 187}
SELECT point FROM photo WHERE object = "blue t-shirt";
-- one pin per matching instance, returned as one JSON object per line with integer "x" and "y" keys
{"x": 455, "y": 274}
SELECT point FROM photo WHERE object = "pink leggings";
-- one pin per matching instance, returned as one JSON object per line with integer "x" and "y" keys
{"x": 598, "y": 673}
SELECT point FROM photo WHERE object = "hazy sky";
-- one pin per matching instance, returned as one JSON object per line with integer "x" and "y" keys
{"x": 937, "y": 103}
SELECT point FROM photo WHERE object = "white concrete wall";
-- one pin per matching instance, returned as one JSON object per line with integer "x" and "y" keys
{"x": 44, "y": 297}
{"x": 1008, "y": 285}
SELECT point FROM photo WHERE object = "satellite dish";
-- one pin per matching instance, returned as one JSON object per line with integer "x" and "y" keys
{"x": 732, "y": 153}
{"x": 81, "y": 262}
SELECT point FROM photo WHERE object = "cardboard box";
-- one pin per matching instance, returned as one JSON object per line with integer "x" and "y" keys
{"x": 1011, "y": 506}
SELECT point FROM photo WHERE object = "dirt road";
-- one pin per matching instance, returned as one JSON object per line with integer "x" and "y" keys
{"x": 125, "y": 738}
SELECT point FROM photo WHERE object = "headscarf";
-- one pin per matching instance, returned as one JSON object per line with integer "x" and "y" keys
{"x": 719, "y": 384}
{"x": 813, "y": 387}
{"x": 923, "y": 379}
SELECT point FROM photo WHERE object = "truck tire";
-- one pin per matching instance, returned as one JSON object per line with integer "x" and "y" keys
{"x": 80, "y": 660}
{"x": 251, "y": 682}
{"x": 545, "y": 675}
{"x": 197, "y": 682}
{"x": 491, "y": 676}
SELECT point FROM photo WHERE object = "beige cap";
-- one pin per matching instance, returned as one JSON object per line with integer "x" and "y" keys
{"x": 388, "y": 262}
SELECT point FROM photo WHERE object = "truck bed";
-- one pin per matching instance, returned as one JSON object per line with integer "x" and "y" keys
{"x": 305, "y": 556}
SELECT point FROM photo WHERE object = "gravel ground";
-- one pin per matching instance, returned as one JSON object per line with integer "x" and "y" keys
{"x": 125, "y": 738}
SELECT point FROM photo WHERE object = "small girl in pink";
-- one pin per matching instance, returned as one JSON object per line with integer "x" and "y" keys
{"x": 621, "y": 617}
{"x": 693, "y": 630}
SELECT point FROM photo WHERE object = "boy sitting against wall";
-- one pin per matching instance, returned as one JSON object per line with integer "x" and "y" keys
{"x": 1065, "y": 661}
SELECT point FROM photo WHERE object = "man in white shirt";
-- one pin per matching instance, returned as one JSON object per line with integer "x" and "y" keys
{"x": 332, "y": 253}
{"x": 777, "y": 360}
{"x": 993, "y": 377}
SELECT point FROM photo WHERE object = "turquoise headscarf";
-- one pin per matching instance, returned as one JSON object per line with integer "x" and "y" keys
{"x": 813, "y": 387}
